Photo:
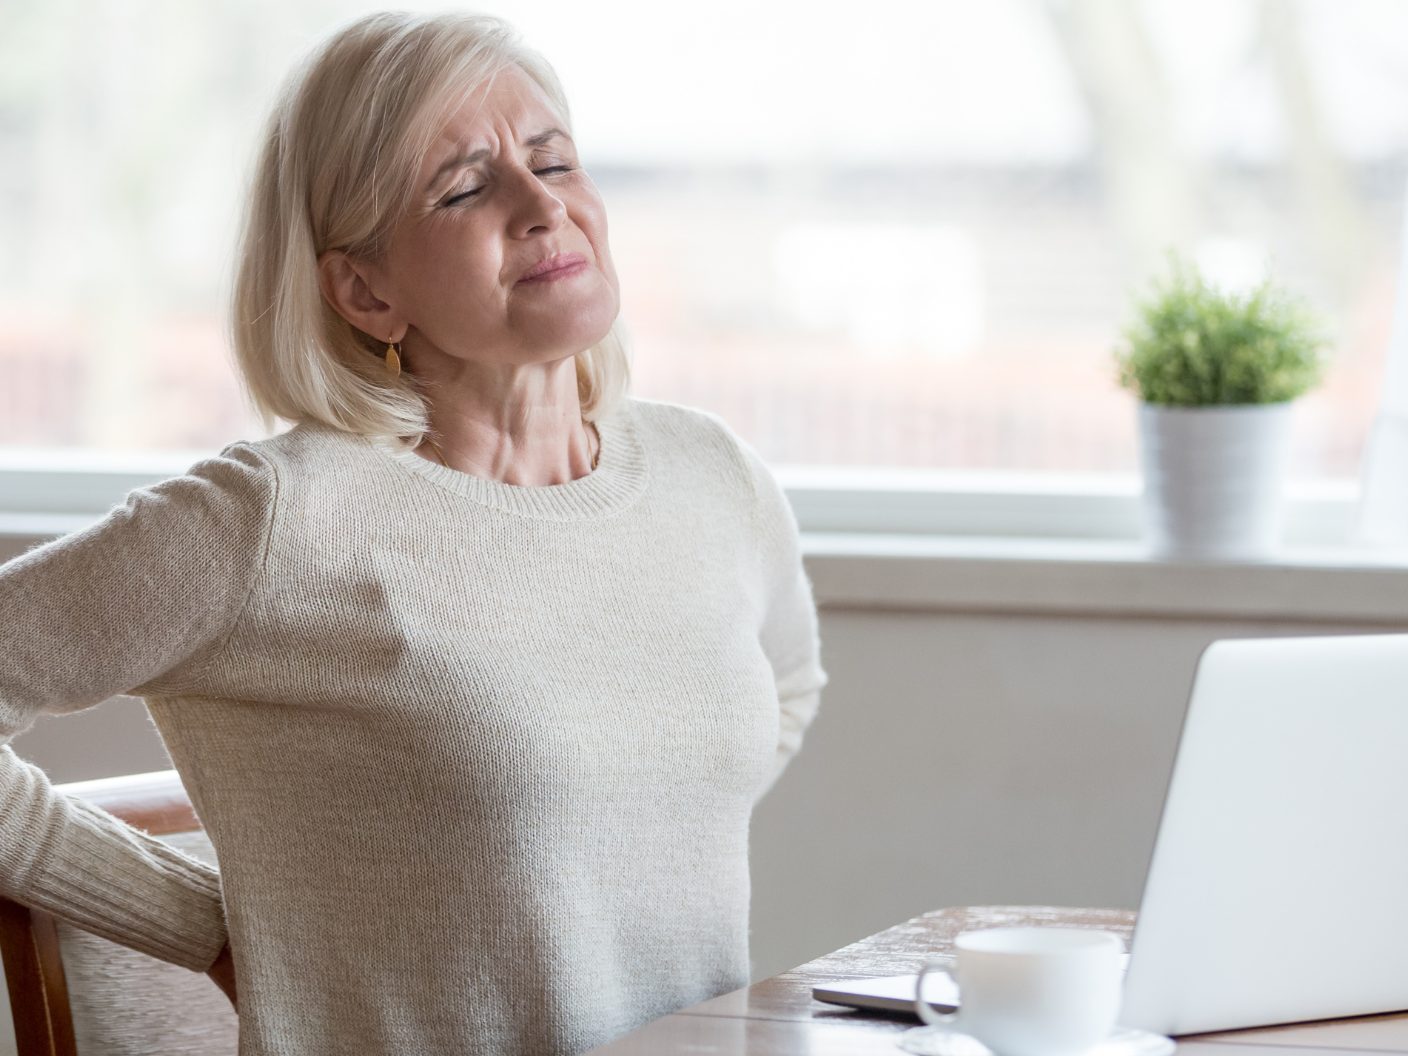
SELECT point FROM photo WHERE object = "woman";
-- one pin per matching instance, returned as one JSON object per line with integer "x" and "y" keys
{"x": 475, "y": 674}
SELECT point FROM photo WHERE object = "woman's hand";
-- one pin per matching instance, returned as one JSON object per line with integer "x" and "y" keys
{"x": 223, "y": 972}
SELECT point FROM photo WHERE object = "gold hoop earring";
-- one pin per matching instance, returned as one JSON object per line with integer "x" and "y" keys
{"x": 393, "y": 360}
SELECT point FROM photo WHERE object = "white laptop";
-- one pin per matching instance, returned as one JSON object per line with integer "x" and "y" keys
{"x": 1278, "y": 889}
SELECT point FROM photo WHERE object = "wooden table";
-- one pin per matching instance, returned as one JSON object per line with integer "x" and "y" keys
{"x": 778, "y": 1017}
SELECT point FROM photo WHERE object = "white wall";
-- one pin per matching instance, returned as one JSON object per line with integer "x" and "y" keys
{"x": 974, "y": 759}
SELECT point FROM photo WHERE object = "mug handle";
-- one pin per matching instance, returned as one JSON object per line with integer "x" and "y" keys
{"x": 921, "y": 1007}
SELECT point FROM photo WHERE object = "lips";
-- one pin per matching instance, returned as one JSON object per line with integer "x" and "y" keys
{"x": 556, "y": 262}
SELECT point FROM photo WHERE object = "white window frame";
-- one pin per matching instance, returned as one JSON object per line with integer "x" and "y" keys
{"x": 50, "y": 492}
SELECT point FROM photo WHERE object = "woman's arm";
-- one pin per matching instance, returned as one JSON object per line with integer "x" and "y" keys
{"x": 150, "y": 592}
{"x": 789, "y": 634}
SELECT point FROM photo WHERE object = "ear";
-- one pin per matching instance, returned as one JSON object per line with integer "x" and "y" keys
{"x": 346, "y": 285}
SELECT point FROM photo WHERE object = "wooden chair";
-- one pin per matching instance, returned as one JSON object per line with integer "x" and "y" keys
{"x": 75, "y": 994}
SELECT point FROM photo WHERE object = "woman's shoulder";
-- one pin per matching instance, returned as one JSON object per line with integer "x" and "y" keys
{"x": 306, "y": 455}
{"x": 302, "y": 443}
{"x": 701, "y": 439}
{"x": 691, "y": 426}
{"x": 250, "y": 478}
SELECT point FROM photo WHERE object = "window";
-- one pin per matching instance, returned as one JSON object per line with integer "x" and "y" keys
{"x": 903, "y": 237}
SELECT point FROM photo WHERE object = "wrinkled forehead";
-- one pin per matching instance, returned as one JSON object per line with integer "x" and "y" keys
{"x": 468, "y": 115}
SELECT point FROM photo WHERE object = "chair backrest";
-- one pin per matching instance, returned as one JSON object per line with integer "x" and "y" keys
{"x": 75, "y": 994}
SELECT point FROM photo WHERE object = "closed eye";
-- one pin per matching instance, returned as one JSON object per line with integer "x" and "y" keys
{"x": 537, "y": 172}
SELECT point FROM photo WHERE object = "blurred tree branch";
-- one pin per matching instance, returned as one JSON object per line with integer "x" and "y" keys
{"x": 1152, "y": 186}
{"x": 1337, "y": 227}
{"x": 1155, "y": 189}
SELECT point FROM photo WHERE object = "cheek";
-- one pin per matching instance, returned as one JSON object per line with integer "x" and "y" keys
{"x": 593, "y": 223}
{"x": 451, "y": 260}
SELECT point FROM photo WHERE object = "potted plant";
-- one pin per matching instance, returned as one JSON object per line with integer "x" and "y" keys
{"x": 1216, "y": 373}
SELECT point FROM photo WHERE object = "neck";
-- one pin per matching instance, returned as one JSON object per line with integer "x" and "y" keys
{"x": 554, "y": 454}
{"x": 515, "y": 423}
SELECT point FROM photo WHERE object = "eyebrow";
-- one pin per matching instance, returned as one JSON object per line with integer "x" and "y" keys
{"x": 460, "y": 161}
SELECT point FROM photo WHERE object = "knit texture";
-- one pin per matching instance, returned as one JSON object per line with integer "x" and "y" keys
{"x": 478, "y": 760}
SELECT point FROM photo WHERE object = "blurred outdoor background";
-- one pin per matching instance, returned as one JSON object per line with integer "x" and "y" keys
{"x": 898, "y": 234}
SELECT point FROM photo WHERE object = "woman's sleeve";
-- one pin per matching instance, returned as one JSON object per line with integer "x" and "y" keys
{"x": 789, "y": 633}
{"x": 148, "y": 594}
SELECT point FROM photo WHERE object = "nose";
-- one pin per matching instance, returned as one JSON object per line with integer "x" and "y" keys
{"x": 535, "y": 207}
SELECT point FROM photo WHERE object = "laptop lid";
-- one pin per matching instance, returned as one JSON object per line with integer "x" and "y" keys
{"x": 1278, "y": 888}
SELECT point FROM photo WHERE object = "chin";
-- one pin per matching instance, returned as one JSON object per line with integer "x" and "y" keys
{"x": 587, "y": 329}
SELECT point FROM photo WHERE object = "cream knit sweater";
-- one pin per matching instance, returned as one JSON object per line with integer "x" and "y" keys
{"x": 478, "y": 760}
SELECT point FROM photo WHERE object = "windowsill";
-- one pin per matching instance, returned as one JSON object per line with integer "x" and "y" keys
{"x": 1103, "y": 578}
{"x": 1101, "y": 551}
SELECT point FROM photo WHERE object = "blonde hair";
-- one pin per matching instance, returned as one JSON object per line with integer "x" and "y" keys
{"x": 336, "y": 169}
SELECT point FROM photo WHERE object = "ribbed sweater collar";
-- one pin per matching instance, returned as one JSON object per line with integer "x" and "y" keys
{"x": 618, "y": 479}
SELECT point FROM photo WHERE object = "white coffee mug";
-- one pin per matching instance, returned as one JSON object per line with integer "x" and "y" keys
{"x": 1032, "y": 991}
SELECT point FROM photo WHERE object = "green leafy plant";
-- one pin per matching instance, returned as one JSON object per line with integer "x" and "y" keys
{"x": 1192, "y": 345}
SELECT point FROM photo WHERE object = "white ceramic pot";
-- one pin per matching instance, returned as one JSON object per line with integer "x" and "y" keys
{"x": 1213, "y": 478}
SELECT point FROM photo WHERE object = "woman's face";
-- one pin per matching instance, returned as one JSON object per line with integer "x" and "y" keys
{"x": 501, "y": 190}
